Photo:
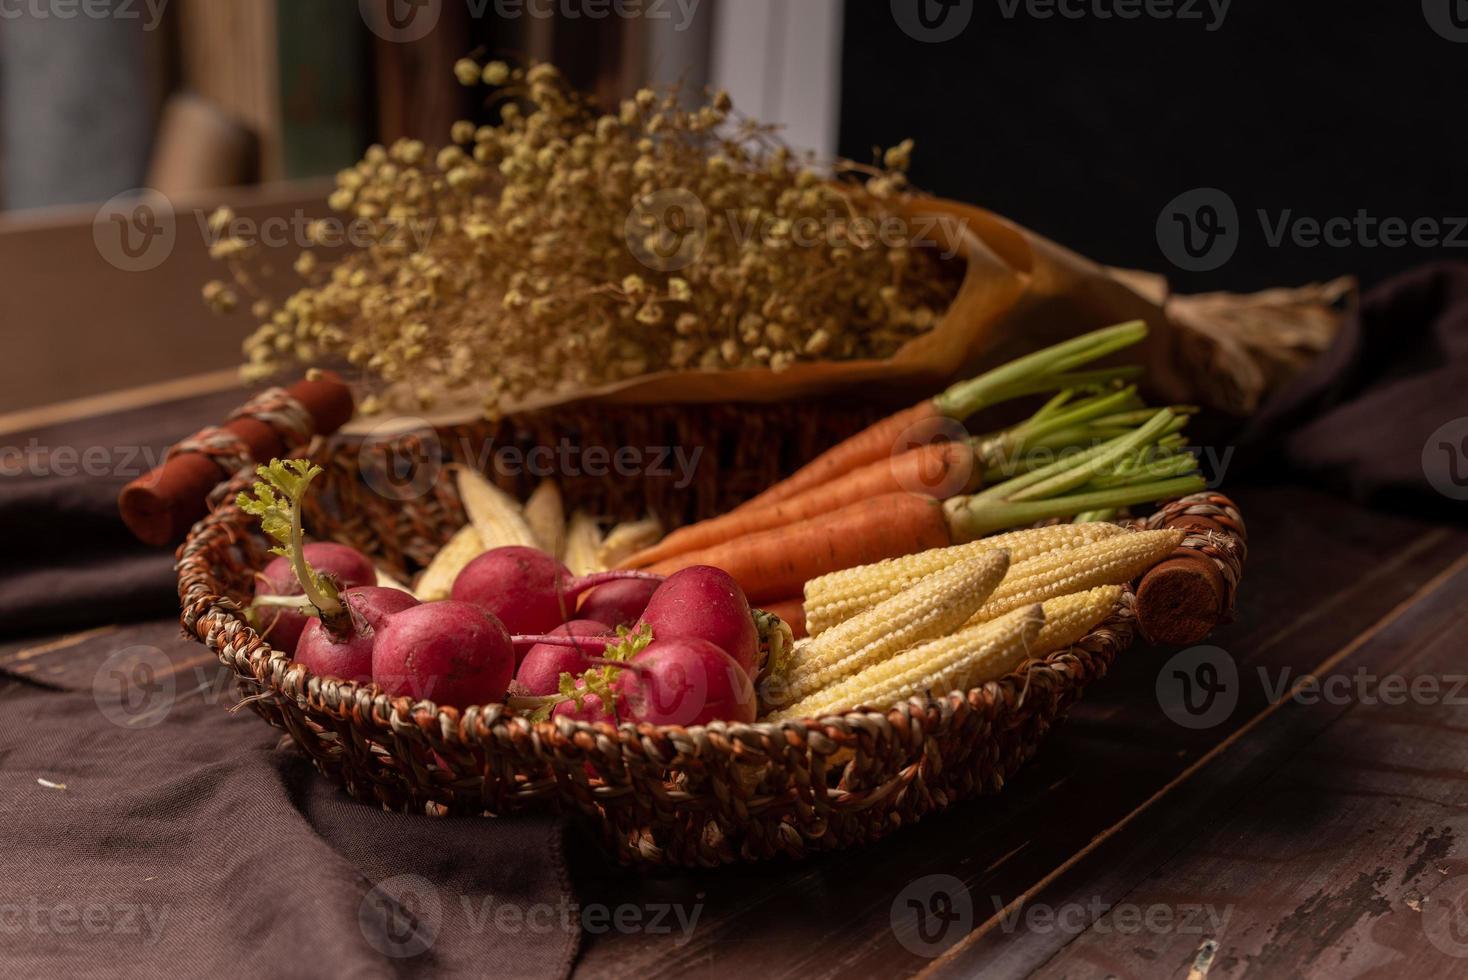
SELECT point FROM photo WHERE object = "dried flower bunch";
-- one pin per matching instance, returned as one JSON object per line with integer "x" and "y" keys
{"x": 564, "y": 248}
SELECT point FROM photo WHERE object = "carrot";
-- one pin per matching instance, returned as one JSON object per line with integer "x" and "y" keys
{"x": 792, "y": 611}
{"x": 777, "y": 563}
{"x": 937, "y": 470}
{"x": 1051, "y": 369}
{"x": 867, "y": 446}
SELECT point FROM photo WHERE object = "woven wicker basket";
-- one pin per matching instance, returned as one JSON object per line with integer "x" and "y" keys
{"x": 663, "y": 795}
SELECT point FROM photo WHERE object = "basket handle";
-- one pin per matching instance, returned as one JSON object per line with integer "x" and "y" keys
{"x": 1183, "y": 598}
{"x": 159, "y": 507}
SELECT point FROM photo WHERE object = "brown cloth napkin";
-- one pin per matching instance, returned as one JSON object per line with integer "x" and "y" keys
{"x": 1383, "y": 415}
{"x": 70, "y": 561}
{"x": 149, "y": 831}
{"x": 148, "y": 836}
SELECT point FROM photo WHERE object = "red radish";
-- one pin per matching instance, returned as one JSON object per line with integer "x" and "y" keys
{"x": 349, "y": 657}
{"x": 618, "y": 603}
{"x": 521, "y": 586}
{"x": 453, "y": 653}
{"x": 325, "y": 655}
{"x": 683, "y": 681}
{"x": 376, "y": 603}
{"x": 540, "y": 670}
{"x": 705, "y": 602}
{"x": 526, "y": 589}
{"x": 282, "y": 627}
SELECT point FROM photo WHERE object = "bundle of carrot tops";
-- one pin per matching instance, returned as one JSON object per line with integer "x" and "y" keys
{"x": 916, "y": 480}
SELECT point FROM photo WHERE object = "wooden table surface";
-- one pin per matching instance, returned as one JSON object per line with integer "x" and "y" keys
{"x": 1286, "y": 829}
{"x": 1205, "y": 813}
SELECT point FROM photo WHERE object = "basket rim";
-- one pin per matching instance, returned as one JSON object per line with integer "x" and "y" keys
{"x": 218, "y": 622}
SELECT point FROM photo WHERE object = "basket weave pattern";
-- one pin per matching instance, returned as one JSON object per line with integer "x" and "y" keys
{"x": 661, "y": 794}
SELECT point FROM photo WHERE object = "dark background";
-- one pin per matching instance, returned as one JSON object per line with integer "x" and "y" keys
{"x": 1085, "y": 129}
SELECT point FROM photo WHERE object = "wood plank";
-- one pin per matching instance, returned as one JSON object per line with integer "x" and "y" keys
{"x": 91, "y": 326}
{"x": 144, "y": 396}
{"x": 1346, "y": 857}
{"x": 833, "y": 914}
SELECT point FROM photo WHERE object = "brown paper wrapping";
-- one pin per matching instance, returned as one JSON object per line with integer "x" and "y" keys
{"x": 1020, "y": 291}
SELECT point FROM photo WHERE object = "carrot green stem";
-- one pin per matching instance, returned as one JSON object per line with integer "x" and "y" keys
{"x": 1068, "y": 473}
{"x": 1149, "y": 470}
{"x": 1037, "y": 372}
{"x": 970, "y": 518}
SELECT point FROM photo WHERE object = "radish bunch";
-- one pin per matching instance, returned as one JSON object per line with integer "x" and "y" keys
{"x": 680, "y": 651}
{"x": 454, "y": 653}
{"x": 690, "y": 658}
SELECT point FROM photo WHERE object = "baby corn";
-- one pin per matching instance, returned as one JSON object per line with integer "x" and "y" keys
{"x": 838, "y": 596}
{"x": 386, "y": 581}
{"x": 935, "y": 607}
{"x": 1070, "y": 617}
{"x": 437, "y": 580}
{"x": 628, "y": 538}
{"x": 495, "y": 514}
{"x": 938, "y": 666}
{"x": 583, "y": 544}
{"x": 1111, "y": 561}
{"x": 546, "y": 515}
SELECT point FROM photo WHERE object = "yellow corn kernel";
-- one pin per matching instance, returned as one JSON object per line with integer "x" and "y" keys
{"x": 386, "y": 581}
{"x": 1068, "y": 618}
{"x": 837, "y": 596}
{"x": 628, "y": 538}
{"x": 1111, "y": 561}
{"x": 495, "y": 514}
{"x": 583, "y": 542}
{"x": 936, "y": 667}
{"x": 437, "y": 580}
{"x": 933, "y": 608}
{"x": 546, "y": 515}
